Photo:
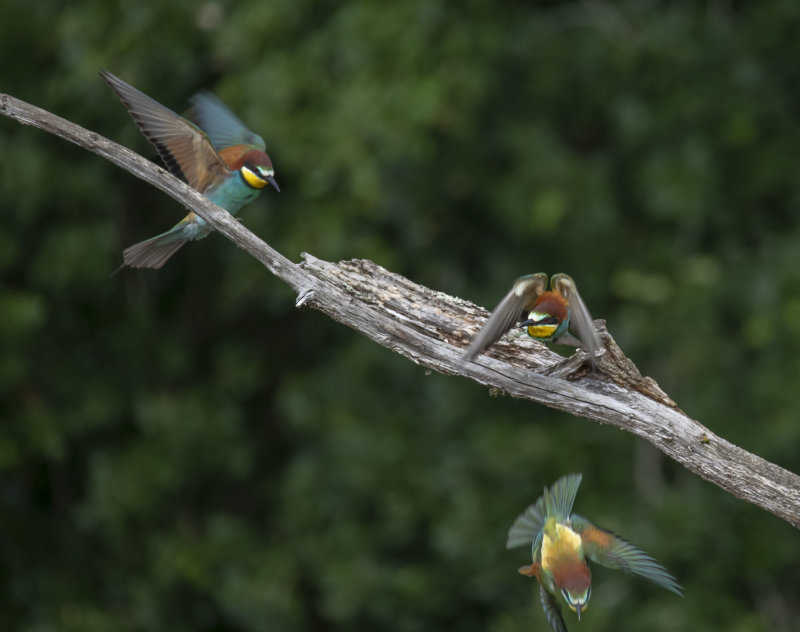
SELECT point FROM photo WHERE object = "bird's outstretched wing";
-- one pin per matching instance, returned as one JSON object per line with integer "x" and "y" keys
{"x": 507, "y": 313}
{"x": 185, "y": 149}
{"x": 580, "y": 319}
{"x": 528, "y": 526}
{"x": 223, "y": 127}
{"x": 610, "y": 550}
{"x": 558, "y": 500}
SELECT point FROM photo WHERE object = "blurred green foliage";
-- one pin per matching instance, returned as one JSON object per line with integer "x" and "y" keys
{"x": 184, "y": 450}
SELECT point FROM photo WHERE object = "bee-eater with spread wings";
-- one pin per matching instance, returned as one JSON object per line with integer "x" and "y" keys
{"x": 219, "y": 157}
{"x": 561, "y": 543}
{"x": 547, "y": 316}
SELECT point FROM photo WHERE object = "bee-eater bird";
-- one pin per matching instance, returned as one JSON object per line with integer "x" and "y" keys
{"x": 219, "y": 157}
{"x": 547, "y": 316}
{"x": 560, "y": 544}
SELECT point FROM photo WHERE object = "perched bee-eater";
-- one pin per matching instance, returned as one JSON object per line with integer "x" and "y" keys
{"x": 547, "y": 316}
{"x": 561, "y": 542}
{"x": 219, "y": 157}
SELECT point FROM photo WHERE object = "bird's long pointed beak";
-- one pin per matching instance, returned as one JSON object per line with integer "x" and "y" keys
{"x": 578, "y": 610}
{"x": 271, "y": 180}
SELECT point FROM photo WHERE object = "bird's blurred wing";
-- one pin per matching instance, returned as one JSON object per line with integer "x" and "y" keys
{"x": 610, "y": 550}
{"x": 527, "y": 527}
{"x": 580, "y": 319}
{"x": 507, "y": 313}
{"x": 184, "y": 148}
{"x": 223, "y": 127}
{"x": 558, "y": 500}
{"x": 552, "y": 610}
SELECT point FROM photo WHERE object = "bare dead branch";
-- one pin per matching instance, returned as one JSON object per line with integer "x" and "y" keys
{"x": 431, "y": 329}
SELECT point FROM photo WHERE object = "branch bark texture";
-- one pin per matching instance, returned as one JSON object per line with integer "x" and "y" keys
{"x": 432, "y": 329}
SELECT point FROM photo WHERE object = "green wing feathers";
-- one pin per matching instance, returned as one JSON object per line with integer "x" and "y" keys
{"x": 558, "y": 500}
{"x": 610, "y": 550}
{"x": 527, "y": 526}
{"x": 222, "y": 126}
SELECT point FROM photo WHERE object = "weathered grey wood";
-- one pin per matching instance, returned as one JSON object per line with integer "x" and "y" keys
{"x": 432, "y": 329}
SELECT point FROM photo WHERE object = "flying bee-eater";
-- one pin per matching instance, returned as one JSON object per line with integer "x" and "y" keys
{"x": 546, "y": 315}
{"x": 218, "y": 156}
{"x": 560, "y": 544}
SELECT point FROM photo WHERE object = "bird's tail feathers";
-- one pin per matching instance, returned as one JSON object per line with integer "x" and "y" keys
{"x": 552, "y": 610}
{"x": 152, "y": 253}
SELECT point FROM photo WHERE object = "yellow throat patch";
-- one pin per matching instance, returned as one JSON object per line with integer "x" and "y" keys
{"x": 541, "y": 331}
{"x": 252, "y": 178}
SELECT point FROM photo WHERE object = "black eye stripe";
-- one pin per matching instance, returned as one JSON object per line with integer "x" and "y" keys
{"x": 259, "y": 172}
{"x": 255, "y": 172}
{"x": 547, "y": 320}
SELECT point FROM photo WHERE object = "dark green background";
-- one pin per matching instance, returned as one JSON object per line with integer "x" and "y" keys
{"x": 184, "y": 450}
